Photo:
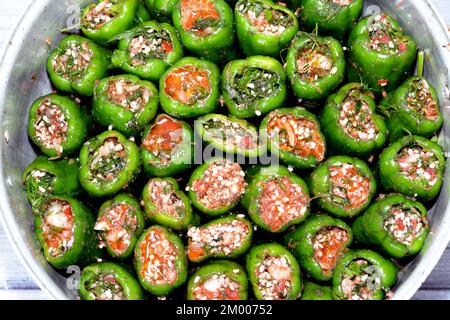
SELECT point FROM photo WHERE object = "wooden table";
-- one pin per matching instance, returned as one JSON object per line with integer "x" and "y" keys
{"x": 16, "y": 283}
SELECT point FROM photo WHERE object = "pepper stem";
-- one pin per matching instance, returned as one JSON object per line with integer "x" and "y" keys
{"x": 420, "y": 63}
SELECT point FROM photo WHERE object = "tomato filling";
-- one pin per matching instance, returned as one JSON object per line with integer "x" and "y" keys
{"x": 404, "y": 224}
{"x": 188, "y": 85}
{"x": 216, "y": 287}
{"x": 297, "y": 135}
{"x": 163, "y": 196}
{"x": 58, "y": 227}
{"x": 73, "y": 61}
{"x": 39, "y": 185}
{"x": 418, "y": 164}
{"x": 150, "y": 44}
{"x": 199, "y": 16}
{"x": 421, "y": 101}
{"x": 105, "y": 287}
{"x": 360, "y": 280}
{"x": 384, "y": 38}
{"x": 127, "y": 94}
{"x": 108, "y": 160}
{"x": 314, "y": 62}
{"x": 281, "y": 201}
{"x": 274, "y": 276}
{"x": 101, "y": 14}
{"x": 328, "y": 244}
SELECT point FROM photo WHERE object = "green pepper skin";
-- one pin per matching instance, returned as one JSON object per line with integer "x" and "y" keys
{"x": 161, "y": 9}
{"x": 321, "y": 186}
{"x": 331, "y": 18}
{"x": 233, "y": 77}
{"x": 125, "y": 10}
{"x": 152, "y": 68}
{"x": 77, "y": 119}
{"x": 63, "y": 181}
{"x": 254, "y": 42}
{"x": 369, "y": 229}
{"x": 256, "y": 186}
{"x": 385, "y": 269}
{"x": 323, "y": 86}
{"x": 401, "y": 120}
{"x": 96, "y": 69}
{"x": 142, "y": 13}
{"x": 124, "y": 278}
{"x": 313, "y": 292}
{"x": 393, "y": 180}
{"x": 122, "y": 119}
{"x": 216, "y": 45}
{"x": 180, "y": 263}
{"x": 130, "y": 201}
{"x": 185, "y": 218}
{"x": 200, "y": 107}
{"x": 124, "y": 177}
{"x": 84, "y": 249}
{"x": 373, "y": 67}
{"x": 300, "y": 243}
{"x": 337, "y": 137}
{"x": 259, "y": 253}
{"x": 180, "y": 155}
{"x": 219, "y": 267}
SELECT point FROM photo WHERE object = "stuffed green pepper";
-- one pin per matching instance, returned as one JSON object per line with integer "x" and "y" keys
{"x": 161, "y": 10}
{"x": 313, "y": 292}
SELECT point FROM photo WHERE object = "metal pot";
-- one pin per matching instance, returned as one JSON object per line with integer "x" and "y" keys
{"x": 23, "y": 78}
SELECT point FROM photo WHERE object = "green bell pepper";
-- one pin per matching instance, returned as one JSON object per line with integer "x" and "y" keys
{"x": 165, "y": 204}
{"x": 394, "y": 225}
{"x": 108, "y": 163}
{"x": 253, "y": 86}
{"x": 313, "y": 291}
{"x": 43, "y": 178}
{"x": 119, "y": 224}
{"x": 76, "y": 64}
{"x": 160, "y": 261}
{"x": 219, "y": 280}
{"x": 148, "y": 50}
{"x": 315, "y": 66}
{"x": 318, "y": 244}
{"x": 65, "y": 231}
{"x": 343, "y": 186}
{"x": 190, "y": 88}
{"x": 276, "y": 199}
{"x": 294, "y": 135}
{"x": 109, "y": 281}
{"x": 58, "y": 125}
{"x": 142, "y": 13}
{"x": 167, "y": 147}
{"x": 104, "y": 20}
{"x": 334, "y": 18}
{"x": 264, "y": 27}
{"x": 413, "y": 166}
{"x": 224, "y": 238}
{"x": 216, "y": 186}
{"x": 380, "y": 53}
{"x": 126, "y": 103}
{"x": 363, "y": 275}
{"x": 350, "y": 122}
{"x": 273, "y": 272}
{"x": 161, "y": 9}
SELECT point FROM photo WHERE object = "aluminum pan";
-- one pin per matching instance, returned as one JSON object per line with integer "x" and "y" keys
{"x": 25, "y": 58}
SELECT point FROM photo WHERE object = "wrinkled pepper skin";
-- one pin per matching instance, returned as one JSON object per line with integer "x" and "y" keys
{"x": 167, "y": 147}
{"x": 255, "y": 259}
{"x": 133, "y": 223}
{"x": 252, "y": 39}
{"x": 316, "y": 79}
{"x": 381, "y": 272}
{"x": 151, "y": 65}
{"x": 413, "y": 108}
{"x": 256, "y": 187}
{"x": 170, "y": 193}
{"x": 66, "y": 77}
{"x": 313, "y": 292}
{"x": 350, "y": 138}
{"x": 161, "y": 10}
{"x": 124, "y": 167}
{"x": 395, "y": 178}
{"x": 331, "y": 18}
{"x": 43, "y": 178}
{"x": 108, "y": 110}
{"x": 205, "y": 28}
{"x": 381, "y": 67}
{"x": 109, "y": 281}
{"x": 322, "y": 186}
{"x": 301, "y": 243}
{"x": 159, "y": 243}
{"x": 122, "y": 13}
{"x": 75, "y": 116}
{"x": 79, "y": 249}
{"x": 229, "y": 269}
{"x": 370, "y": 228}
{"x": 190, "y": 88}
{"x": 253, "y": 86}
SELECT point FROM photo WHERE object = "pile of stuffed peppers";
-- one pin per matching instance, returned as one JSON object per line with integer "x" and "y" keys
{"x": 332, "y": 99}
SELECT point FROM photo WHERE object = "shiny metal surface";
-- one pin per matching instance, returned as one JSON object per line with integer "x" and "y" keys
{"x": 23, "y": 78}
